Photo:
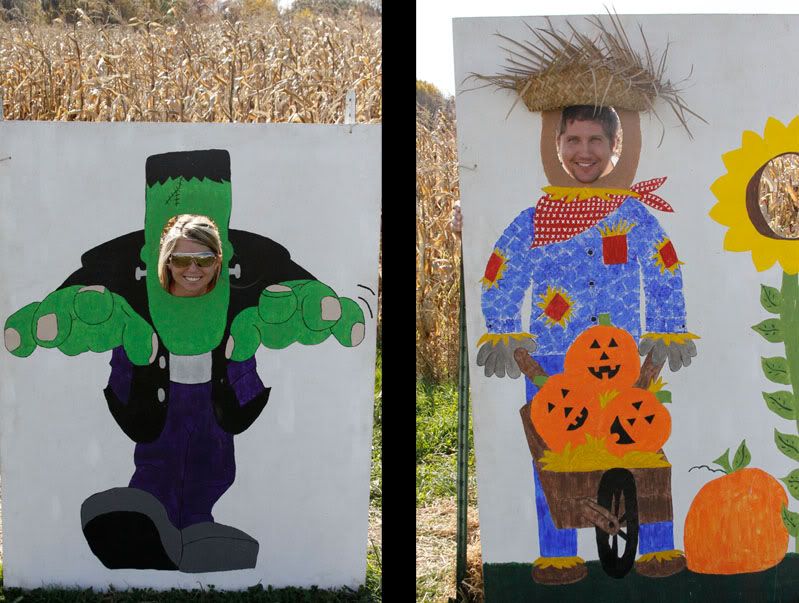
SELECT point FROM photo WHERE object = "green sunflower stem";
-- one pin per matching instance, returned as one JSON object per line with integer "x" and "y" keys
{"x": 790, "y": 322}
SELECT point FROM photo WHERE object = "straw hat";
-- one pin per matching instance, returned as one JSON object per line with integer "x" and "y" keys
{"x": 555, "y": 70}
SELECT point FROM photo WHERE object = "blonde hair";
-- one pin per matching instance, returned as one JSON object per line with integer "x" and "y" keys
{"x": 200, "y": 229}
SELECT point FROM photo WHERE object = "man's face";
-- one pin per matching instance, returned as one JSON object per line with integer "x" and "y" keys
{"x": 585, "y": 150}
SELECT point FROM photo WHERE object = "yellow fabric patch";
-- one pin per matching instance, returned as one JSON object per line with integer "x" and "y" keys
{"x": 661, "y": 556}
{"x": 668, "y": 338}
{"x": 619, "y": 228}
{"x": 656, "y": 386}
{"x": 567, "y": 194}
{"x": 558, "y": 562}
{"x": 505, "y": 338}
{"x": 594, "y": 456}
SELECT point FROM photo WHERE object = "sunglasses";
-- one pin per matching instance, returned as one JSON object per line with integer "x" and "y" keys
{"x": 203, "y": 259}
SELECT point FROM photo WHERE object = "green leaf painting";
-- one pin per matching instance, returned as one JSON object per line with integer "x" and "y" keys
{"x": 770, "y": 329}
{"x": 771, "y": 299}
{"x": 782, "y": 403}
{"x": 776, "y": 369}
{"x": 724, "y": 461}
{"x": 792, "y": 481}
{"x": 787, "y": 444}
{"x": 741, "y": 458}
{"x": 791, "y": 521}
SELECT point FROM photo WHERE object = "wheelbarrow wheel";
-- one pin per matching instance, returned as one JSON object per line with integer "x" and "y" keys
{"x": 617, "y": 494}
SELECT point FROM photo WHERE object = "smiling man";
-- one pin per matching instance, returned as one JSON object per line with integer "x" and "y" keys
{"x": 588, "y": 137}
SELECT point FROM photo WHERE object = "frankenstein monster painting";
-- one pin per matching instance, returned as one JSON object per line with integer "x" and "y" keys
{"x": 183, "y": 376}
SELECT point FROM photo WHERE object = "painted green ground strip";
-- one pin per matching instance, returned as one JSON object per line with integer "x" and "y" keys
{"x": 511, "y": 582}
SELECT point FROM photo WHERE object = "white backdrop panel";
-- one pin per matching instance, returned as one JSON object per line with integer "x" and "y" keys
{"x": 302, "y": 483}
{"x": 735, "y": 85}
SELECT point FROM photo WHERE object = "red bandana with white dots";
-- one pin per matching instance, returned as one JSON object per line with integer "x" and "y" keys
{"x": 557, "y": 220}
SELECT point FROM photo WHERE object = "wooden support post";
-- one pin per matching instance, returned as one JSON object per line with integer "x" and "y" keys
{"x": 349, "y": 107}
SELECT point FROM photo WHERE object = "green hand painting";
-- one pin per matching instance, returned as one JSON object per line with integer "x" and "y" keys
{"x": 79, "y": 319}
{"x": 303, "y": 311}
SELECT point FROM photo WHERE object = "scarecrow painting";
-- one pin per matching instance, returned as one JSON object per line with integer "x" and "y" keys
{"x": 183, "y": 373}
{"x": 606, "y": 287}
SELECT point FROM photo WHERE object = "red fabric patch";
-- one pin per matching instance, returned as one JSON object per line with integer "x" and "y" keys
{"x": 614, "y": 249}
{"x": 556, "y": 307}
{"x": 556, "y": 220}
{"x": 668, "y": 255}
{"x": 494, "y": 263}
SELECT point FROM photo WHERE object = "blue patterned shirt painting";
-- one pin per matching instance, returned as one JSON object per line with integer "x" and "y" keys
{"x": 604, "y": 269}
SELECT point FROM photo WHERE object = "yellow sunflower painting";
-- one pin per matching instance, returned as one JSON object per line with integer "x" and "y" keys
{"x": 758, "y": 199}
{"x": 743, "y": 165}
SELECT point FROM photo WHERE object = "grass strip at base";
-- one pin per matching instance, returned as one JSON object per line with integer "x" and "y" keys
{"x": 209, "y": 594}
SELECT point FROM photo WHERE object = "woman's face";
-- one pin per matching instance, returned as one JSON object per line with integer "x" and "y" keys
{"x": 191, "y": 280}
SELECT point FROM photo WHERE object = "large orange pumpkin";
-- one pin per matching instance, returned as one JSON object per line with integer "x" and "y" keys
{"x": 635, "y": 420}
{"x": 563, "y": 411}
{"x": 604, "y": 355}
{"x": 734, "y": 525}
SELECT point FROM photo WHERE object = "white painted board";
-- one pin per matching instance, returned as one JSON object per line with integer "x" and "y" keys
{"x": 302, "y": 483}
{"x": 737, "y": 83}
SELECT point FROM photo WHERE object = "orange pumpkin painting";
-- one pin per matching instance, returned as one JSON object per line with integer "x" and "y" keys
{"x": 564, "y": 411}
{"x": 734, "y": 524}
{"x": 634, "y": 420}
{"x": 604, "y": 356}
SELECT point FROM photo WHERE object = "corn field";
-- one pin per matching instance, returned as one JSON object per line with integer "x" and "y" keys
{"x": 294, "y": 69}
{"x": 437, "y": 248}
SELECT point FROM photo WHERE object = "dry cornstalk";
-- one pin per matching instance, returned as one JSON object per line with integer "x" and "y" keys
{"x": 437, "y": 249}
{"x": 287, "y": 68}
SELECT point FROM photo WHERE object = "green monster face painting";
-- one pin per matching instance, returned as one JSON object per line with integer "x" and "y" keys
{"x": 183, "y": 376}
{"x": 175, "y": 318}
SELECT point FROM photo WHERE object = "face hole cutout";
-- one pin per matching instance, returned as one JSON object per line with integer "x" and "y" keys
{"x": 588, "y": 142}
{"x": 772, "y": 198}
{"x": 190, "y": 256}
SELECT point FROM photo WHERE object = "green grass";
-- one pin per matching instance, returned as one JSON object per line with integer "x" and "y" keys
{"x": 210, "y": 594}
{"x": 376, "y": 484}
{"x": 437, "y": 442}
{"x": 436, "y": 479}
{"x": 374, "y": 556}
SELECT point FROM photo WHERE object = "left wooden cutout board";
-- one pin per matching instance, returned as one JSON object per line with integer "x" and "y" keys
{"x": 290, "y": 492}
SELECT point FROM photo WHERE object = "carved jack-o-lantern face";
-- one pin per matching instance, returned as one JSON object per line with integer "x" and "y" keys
{"x": 635, "y": 420}
{"x": 563, "y": 411}
{"x": 606, "y": 355}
